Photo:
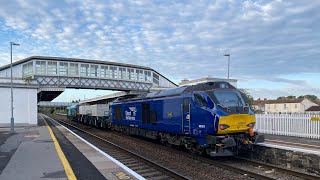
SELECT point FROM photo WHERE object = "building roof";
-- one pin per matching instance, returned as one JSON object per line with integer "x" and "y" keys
{"x": 281, "y": 101}
{"x": 259, "y": 102}
{"x": 73, "y": 60}
{"x": 313, "y": 108}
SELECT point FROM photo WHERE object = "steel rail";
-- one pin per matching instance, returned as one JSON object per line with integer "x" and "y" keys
{"x": 198, "y": 158}
{"x": 287, "y": 171}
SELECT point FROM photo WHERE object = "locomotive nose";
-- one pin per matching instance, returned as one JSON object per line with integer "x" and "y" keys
{"x": 235, "y": 123}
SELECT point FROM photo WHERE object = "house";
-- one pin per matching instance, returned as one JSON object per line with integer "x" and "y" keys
{"x": 299, "y": 105}
{"x": 259, "y": 105}
{"x": 313, "y": 110}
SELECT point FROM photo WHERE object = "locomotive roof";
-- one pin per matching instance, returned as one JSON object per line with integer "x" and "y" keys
{"x": 184, "y": 89}
{"x": 209, "y": 86}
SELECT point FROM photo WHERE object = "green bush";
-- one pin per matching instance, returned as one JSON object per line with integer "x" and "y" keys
{"x": 52, "y": 111}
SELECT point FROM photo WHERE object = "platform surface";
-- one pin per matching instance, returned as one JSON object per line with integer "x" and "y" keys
{"x": 30, "y": 153}
{"x": 308, "y": 145}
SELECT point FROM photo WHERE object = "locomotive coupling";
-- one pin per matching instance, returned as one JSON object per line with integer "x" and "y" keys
{"x": 228, "y": 142}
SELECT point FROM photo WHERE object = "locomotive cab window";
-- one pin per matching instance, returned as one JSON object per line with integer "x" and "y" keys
{"x": 201, "y": 101}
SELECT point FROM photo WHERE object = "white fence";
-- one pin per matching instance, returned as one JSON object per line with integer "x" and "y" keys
{"x": 299, "y": 125}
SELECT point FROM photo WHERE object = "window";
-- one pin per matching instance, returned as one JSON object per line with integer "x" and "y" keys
{"x": 94, "y": 69}
{"x": 295, "y": 105}
{"x": 40, "y": 67}
{"x": 104, "y": 72}
{"x": 285, "y": 106}
{"x": 52, "y": 68}
{"x": 84, "y": 69}
{"x": 202, "y": 102}
{"x": 147, "y": 76}
{"x": 139, "y": 75}
{"x": 155, "y": 78}
{"x": 122, "y": 73}
{"x": 74, "y": 69}
{"x": 229, "y": 98}
{"x": 63, "y": 68}
{"x": 113, "y": 71}
{"x": 130, "y": 74}
{"x": 27, "y": 69}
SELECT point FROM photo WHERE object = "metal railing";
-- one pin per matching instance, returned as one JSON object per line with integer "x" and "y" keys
{"x": 299, "y": 125}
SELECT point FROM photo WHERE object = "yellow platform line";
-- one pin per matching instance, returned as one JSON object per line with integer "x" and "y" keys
{"x": 64, "y": 161}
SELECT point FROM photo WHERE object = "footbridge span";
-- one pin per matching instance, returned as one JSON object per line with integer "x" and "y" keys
{"x": 40, "y": 78}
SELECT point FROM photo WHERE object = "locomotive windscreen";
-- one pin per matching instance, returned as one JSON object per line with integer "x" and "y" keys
{"x": 229, "y": 98}
{"x": 231, "y": 101}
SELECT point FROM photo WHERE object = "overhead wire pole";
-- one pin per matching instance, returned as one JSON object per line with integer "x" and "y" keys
{"x": 12, "y": 119}
{"x": 228, "y": 55}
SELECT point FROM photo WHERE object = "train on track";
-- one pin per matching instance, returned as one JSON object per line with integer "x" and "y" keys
{"x": 211, "y": 118}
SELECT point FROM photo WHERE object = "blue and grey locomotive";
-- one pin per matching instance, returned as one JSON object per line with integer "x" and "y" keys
{"x": 212, "y": 118}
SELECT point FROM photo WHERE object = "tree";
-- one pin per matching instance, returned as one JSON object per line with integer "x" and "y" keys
{"x": 308, "y": 96}
{"x": 248, "y": 97}
{"x": 291, "y": 97}
{"x": 280, "y": 98}
{"x": 312, "y": 97}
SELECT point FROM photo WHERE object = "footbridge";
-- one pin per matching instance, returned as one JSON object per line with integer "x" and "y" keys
{"x": 40, "y": 78}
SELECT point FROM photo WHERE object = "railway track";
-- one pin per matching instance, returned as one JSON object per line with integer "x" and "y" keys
{"x": 230, "y": 165}
{"x": 141, "y": 165}
{"x": 127, "y": 161}
{"x": 276, "y": 168}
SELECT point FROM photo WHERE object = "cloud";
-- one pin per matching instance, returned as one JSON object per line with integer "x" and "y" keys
{"x": 266, "y": 39}
{"x": 289, "y": 81}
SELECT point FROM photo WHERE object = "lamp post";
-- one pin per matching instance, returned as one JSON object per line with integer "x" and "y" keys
{"x": 228, "y": 55}
{"x": 12, "y": 119}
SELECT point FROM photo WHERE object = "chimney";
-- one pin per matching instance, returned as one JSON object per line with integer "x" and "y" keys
{"x": 265, "y": 99}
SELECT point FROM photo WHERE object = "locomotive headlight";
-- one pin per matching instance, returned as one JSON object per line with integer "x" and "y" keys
{"x": 224, "y": 126}
{"x": 251, "y": 125}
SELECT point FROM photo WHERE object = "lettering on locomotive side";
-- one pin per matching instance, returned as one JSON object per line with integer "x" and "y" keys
{"x": 202, "y": 126}
{"x": 131, "y": 114}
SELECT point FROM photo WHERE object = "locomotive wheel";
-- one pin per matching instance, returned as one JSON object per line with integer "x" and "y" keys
{"x": 196, "y": 150}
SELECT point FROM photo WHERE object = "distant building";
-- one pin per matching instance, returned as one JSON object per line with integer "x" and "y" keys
{"x": 313, "y": 110}
{"x": 259, "y": 105}
{"x": 207, "y": 79}
{"x": 288, "y": 105}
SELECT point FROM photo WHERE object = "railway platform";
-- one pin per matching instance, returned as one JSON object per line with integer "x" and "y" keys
{"x": 52, "y": 152}
{"x": 299, "y": 144}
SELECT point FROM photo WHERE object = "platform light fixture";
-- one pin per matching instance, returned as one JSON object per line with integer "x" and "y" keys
{"x": 228, "y": 55}
{"x": 12, "y": 119}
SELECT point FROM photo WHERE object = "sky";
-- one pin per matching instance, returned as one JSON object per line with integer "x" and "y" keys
{"x": 274, "y": 45}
